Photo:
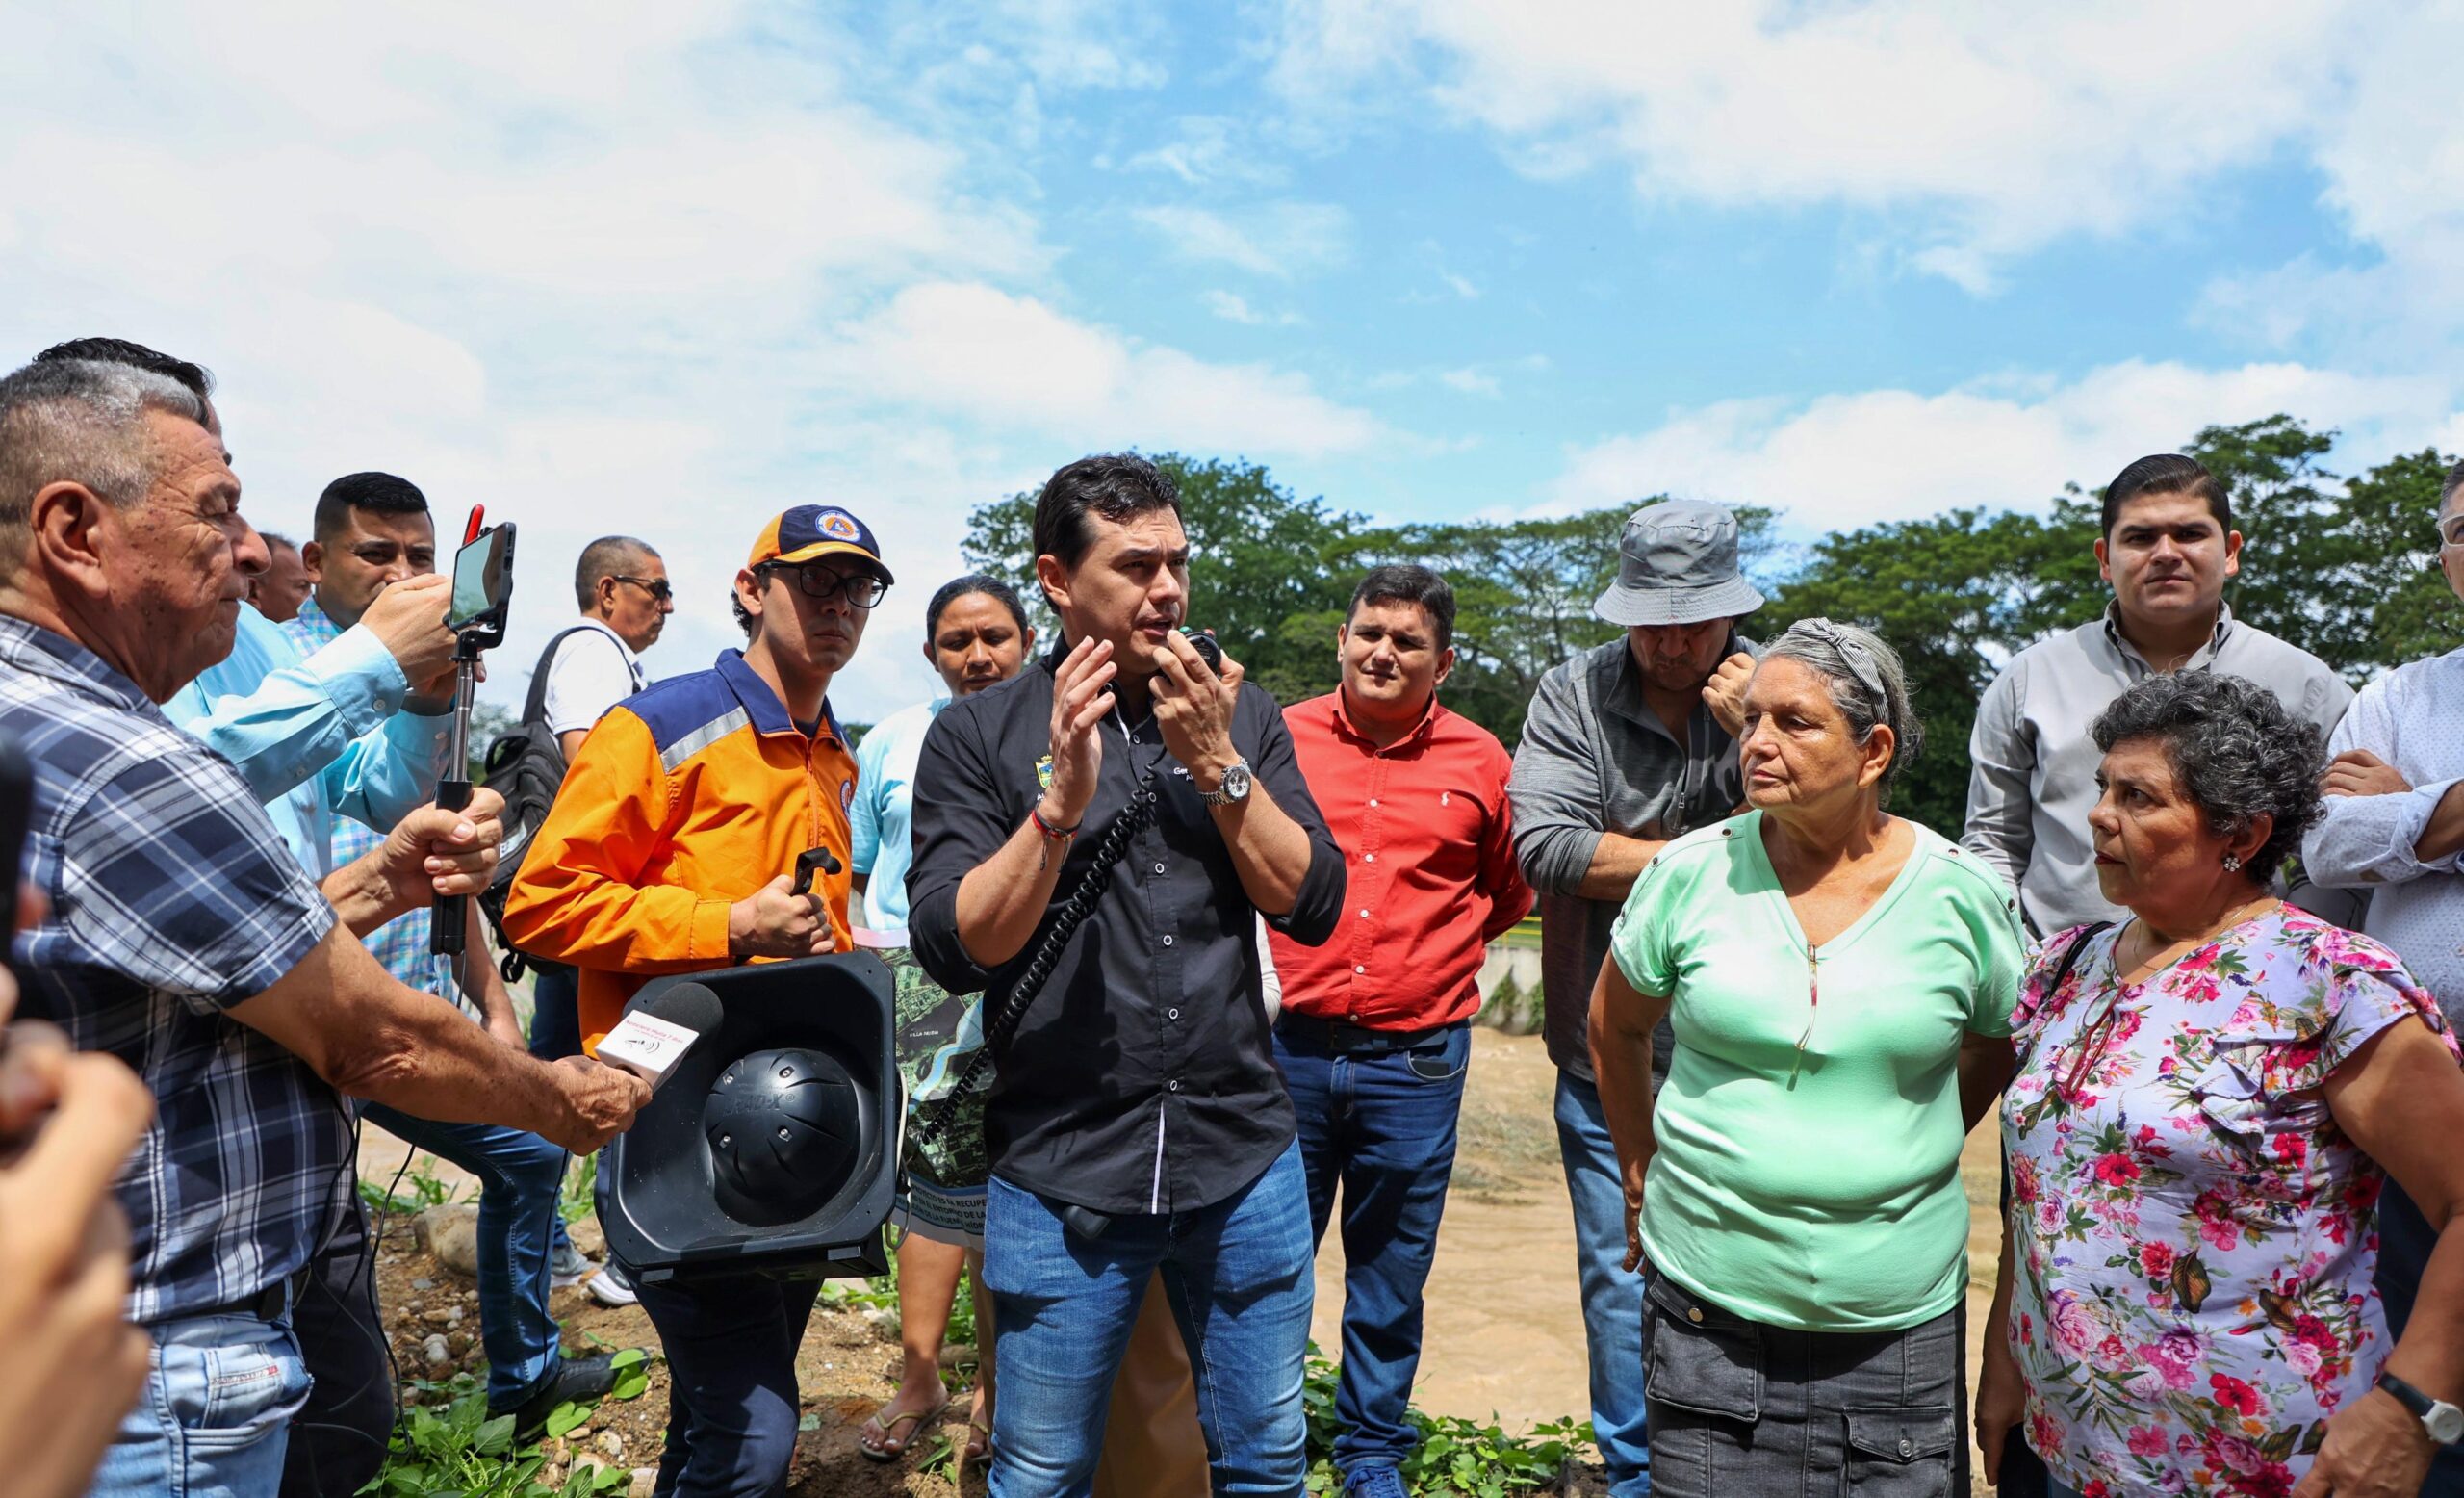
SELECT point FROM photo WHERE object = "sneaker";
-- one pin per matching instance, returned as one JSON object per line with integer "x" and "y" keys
{"x": 579, "y": 1379}
{"x": 1374, "y": 1483}
{"x": 610, "y": 1287}
{"x": 566, "y": 1267}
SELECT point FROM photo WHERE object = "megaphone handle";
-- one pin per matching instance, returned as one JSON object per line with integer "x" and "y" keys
{"x": 813, "y": 861}
{"x": 450, "y": 917}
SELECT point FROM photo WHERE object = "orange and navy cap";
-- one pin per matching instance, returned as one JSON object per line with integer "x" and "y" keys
{"x": 811, "y": 530}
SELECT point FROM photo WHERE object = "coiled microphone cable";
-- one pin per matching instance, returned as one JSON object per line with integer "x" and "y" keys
{"x": 1072, "y": 915}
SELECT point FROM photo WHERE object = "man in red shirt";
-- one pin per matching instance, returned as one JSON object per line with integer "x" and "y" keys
{"x": 1375, "y": 1028}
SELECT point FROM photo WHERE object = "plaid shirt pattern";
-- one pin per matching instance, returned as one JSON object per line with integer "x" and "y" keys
{"x": 174, "y": 898}
{"x": 402, "y": 944}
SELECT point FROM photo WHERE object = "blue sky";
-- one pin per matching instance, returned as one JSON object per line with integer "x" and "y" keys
{"x": 667, "y": 269}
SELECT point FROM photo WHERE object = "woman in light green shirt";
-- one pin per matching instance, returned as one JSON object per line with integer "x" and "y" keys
{"x": 1840, "y": 983}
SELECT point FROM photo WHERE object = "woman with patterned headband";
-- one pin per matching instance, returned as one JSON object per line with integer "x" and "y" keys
{"x": 1840, "y": 983}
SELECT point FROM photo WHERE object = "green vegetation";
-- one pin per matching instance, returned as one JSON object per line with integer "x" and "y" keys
{"x": 1460, "y": 1459}
{"x": 426, "y": 1191}
{"x": 446, "y": 1444}
{"x": 2340, "y": 566}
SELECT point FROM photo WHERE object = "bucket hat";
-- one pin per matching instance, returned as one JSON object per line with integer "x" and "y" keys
{"x": 1676, "y": 564}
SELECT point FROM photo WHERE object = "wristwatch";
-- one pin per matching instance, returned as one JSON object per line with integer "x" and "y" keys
{"x": 1235, "y": 787}
{"x": 2443, "y": 1420}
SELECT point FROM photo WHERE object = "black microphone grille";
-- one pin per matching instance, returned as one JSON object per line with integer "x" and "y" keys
{"x": 691, "y": 1005}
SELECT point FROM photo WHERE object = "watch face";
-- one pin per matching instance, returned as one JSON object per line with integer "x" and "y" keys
{"x": 1236, "y": 782}
{"x": 2445, "y": 1423}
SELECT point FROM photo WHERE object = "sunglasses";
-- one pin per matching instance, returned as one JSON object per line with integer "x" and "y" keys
{"x": 863, "y": 588}
{"x": 655, "y": 587}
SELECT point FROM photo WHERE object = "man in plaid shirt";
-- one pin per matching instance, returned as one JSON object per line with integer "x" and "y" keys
{"x": 374, "y": 530}
{"x": 185, "y": 938}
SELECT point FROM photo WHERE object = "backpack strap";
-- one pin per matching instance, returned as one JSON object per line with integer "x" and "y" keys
{"x": 2078, "y": 945}
{"x": 537, "y": 702}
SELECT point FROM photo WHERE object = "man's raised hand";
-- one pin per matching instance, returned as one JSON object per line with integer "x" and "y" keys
{"x": 1193, "y": 705}
{"x": 1082, "y": 694}
{"x": 409, "y": 617}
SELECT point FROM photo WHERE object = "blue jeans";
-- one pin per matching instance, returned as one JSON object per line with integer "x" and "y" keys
{"x": 1238, "y": 1275}
{"x": 214, "y": 1417}
{"x": 1381, "y": 1124}
{"x": 731, "y": 1404}
{"x": 519, "y": 1178}
{"x": 1612, "y": 1295}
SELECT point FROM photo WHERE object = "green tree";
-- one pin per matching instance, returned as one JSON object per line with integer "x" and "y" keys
{"x": 1524, "y": 592}
{"x": 2389, "y": 512}
{"x": 1953, "y": 595}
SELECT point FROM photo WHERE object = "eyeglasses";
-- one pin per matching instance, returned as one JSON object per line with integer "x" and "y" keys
{"x": 655, "y": 587}
{"x": 863, "y": 588}
{"x": 2451, "y": 532}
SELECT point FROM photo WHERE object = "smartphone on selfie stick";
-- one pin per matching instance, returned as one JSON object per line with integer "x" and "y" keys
{"x": 482, "y": 593}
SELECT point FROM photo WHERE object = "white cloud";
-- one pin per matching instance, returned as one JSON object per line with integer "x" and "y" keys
{"x": 604, "y": 266}
{"x": 975, "y": 351}
{"x": 1976, "y": 132}
{"x": 1234, "y": 308}
{"x": 1856, "y": 459}
{"x": 1279, "y": 240}
{"x": 1470, "y": 381}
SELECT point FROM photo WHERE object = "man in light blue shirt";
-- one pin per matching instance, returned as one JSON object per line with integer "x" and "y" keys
{"x": 321, "y": 735}
{"x": 977, "y": 637}
{"x": 2394, "y": 825}
{"x": 375, "y": 540}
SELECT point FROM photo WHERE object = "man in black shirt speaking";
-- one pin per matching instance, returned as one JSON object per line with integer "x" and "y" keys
{"x": 1137, "y": 1121}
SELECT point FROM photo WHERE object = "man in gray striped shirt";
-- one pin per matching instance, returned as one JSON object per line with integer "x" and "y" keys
{"x": 2168, "y": 547}
{"x": 1627, "y": 747}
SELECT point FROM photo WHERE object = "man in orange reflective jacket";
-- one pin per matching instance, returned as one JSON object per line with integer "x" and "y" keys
{"x": 672, "y": 848}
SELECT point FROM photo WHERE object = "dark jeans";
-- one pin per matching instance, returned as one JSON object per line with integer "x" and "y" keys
{"x": 1740, "y": 1408}
{"x": 1380, "y": 1120}
{"x": 338, "y": 1438}
{"x": 555, "y": 1015}
{"x": 2406, "y": 1241}
{"x": 731, "y": 1344}
{"x": 556, "y": 1033}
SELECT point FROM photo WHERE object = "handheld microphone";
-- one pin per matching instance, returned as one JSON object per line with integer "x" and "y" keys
{"x": 658, "y": 1028}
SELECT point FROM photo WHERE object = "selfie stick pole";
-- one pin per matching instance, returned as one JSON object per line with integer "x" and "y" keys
{"x": 448, "y": 926}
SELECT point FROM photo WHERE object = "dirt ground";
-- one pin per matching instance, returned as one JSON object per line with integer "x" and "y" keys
{"x": 1504, "y": 1333}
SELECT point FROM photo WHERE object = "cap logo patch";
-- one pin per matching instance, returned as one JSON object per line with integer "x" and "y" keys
{"x": 839, "y": 524}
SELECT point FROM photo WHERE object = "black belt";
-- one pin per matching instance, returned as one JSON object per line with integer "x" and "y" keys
{"x": 266, "y": 1305}
{"x": 1344, "y": 1036}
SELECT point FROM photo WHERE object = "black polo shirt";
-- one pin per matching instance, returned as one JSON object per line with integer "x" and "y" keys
{"x": 1142, "y": 1078}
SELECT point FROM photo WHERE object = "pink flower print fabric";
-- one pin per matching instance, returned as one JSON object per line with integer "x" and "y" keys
{"x": 2194, "y": 1236}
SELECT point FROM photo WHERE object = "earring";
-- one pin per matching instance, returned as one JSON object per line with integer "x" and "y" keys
{"x": 2232, "y": 863}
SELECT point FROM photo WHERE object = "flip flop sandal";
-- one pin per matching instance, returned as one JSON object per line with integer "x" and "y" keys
{"x": 890, "y": 1447}
{"x": 979, "y": 1443}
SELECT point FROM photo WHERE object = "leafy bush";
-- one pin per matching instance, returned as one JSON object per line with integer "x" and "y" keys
{"x": 458, "y": 1452}
{"x": 1458, "y": 1457}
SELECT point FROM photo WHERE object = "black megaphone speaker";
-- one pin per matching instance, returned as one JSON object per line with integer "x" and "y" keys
{"x": 772, "y": 1145}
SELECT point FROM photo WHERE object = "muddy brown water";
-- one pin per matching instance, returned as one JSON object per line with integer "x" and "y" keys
{"x": 1504, "y": 1333}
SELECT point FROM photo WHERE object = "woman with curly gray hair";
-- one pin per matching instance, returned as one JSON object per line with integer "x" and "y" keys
{"x": 1840, "y": 981}
{"x": 2207, "y": 1100}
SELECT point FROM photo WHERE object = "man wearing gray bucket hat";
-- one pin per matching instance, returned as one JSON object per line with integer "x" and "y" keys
{"x": 1628, "y": 746}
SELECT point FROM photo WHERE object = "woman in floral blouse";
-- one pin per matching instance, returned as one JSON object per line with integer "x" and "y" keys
{"x": 2207, "y": 1096}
